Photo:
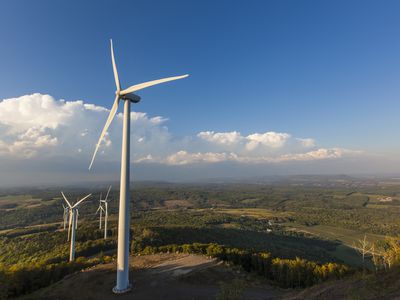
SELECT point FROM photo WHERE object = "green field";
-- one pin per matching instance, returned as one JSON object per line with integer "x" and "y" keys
{"x": 12, "y": 202}
{"x": 260, "y": 213}
{"x": 347, "y": 238}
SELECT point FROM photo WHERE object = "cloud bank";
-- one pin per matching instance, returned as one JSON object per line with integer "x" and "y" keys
{"x": 41, "y": 134}
{"x": 40, "y": 126}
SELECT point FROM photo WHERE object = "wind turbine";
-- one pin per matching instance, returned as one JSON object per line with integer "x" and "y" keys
{"x": 73, "y": 219}
{"x": 127, "y": 96}
{"x": 100, "y": 209}
{"x": 106, "y": 212}
{"x": 65, "y": 216}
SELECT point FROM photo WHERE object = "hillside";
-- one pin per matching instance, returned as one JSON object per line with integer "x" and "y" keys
{"x": 295, "y": 237}
{"x": 160, "y": 276}
{"x": 383, "y": 285}
{"x": 188, "y": 276}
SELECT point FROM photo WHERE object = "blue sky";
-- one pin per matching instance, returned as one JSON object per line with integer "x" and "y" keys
{"x": 327, "y": 70}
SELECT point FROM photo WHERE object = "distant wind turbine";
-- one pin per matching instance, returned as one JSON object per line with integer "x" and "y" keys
{"x": 73, "y": 219}
{"x": 104, "y": 210}
{"x": 100, "y": 209}
{"x": 127, "y": 96}
{"x": 65, "y": 216}
{"x": 105, "y": 201}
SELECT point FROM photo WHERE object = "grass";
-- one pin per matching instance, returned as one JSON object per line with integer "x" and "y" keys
{"x": 379, "y": 206}
{"x": 258, "y": 213}
{"x": 347, "y": 237}
{"x": 20, "y": 201}
{"x": 349, "y": 256}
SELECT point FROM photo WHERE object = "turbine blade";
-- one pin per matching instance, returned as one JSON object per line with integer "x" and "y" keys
{"x": 118, "y": 85}
{"x": 108, "y": 192}
{"x": 111, "y": 116}
{"x": 144, "y": 85}
{"x": 77, "y": 203}
{"x": 65, "y": 198}
{"x": 98, "y": 210}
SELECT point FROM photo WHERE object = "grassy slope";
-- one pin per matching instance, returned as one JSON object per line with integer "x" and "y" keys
{"x": 347, "y": 237}
{"x": 384, "y": 285}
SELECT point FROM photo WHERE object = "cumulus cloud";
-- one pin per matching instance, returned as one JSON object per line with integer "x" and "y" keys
{"x": 40, "y": 126}
{"x": 222, "y": 138}
{"x": 269, "y": 139}
{"x": 183, "y": 157}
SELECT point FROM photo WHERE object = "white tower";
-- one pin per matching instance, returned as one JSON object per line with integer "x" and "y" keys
{"x": 127, "y": 96}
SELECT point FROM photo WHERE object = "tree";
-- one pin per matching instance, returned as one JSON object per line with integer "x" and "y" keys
{"x": 364, "y": 248}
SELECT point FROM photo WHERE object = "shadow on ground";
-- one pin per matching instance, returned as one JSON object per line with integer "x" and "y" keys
{"x": 159, "y": 276}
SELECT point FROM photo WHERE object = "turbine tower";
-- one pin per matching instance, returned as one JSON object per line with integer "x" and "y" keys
{"x": 127, "y": 96}
{"x": 73, "y": 219}
{"x": 65, "y": 216}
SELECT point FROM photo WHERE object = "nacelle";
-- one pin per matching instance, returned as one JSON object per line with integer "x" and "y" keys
{"x": 131, "y": 97}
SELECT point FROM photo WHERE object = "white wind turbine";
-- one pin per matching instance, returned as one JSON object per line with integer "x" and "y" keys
{"x": 104, "y": 209}
{"x": 65, "y": 216}
{"x": 100, "y": 209}
{"x": 73, "y": 219}
{"x": 105, "y": 201}
{"x": 127, "y": 96}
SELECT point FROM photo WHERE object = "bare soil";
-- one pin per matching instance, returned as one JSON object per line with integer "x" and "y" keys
{"x": 177, "y": 204}
{"x": 159, "y": 276}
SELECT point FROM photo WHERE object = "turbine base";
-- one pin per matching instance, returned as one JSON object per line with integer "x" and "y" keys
{"x": 122, "y": 291}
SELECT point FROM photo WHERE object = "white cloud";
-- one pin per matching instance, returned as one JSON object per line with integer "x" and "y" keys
{"x": 222, "y": 138}
{"x": 319, "y": 154}
{"x": 270, "y": 139}
{"x": 39, "y": 126}
{"x": 184, "y": 158}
